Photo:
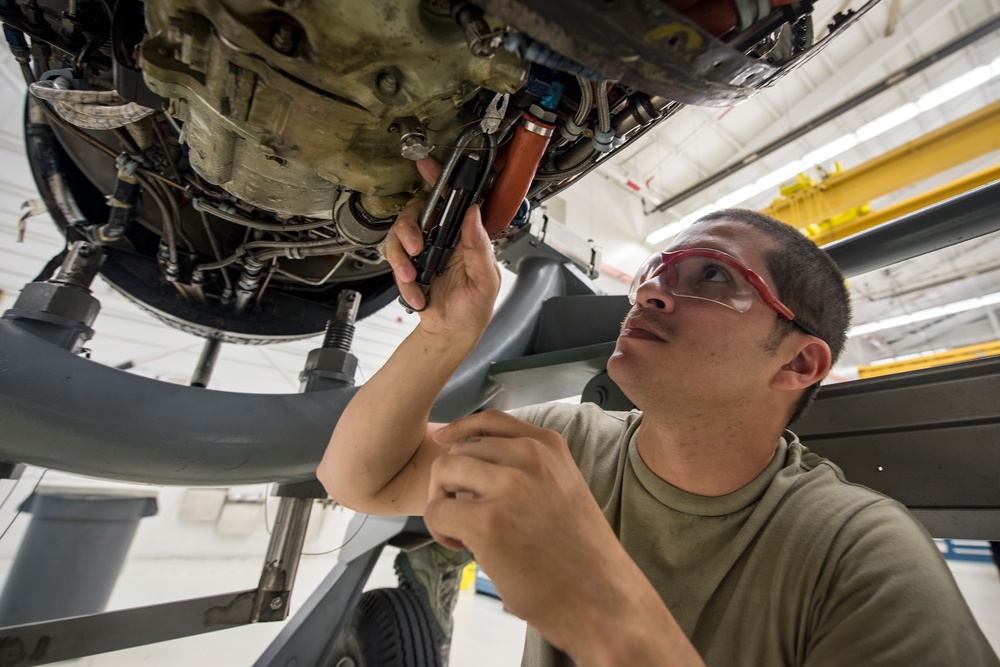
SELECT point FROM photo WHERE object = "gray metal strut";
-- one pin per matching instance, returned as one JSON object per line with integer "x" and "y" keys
{"x": 61, "y": 411}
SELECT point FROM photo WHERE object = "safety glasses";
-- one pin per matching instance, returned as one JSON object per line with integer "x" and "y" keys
{"x": 711, "y": 275}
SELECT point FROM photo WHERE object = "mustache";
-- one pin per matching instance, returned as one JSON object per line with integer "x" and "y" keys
{"x": 638, "y": 320}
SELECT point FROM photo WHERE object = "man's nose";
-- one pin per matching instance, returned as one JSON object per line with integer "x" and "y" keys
{"x": 655, "y": 293}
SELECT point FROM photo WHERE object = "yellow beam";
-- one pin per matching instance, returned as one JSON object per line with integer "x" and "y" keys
{"x": 828, "y": 232}
{"x": 966, "y": 353}
{"x": 947, "y": 147}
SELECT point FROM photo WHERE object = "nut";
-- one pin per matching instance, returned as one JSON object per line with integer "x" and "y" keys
{"x": 414, "y": 147}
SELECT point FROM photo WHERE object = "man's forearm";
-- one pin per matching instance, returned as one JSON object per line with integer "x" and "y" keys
{"x": 384, "y": 423}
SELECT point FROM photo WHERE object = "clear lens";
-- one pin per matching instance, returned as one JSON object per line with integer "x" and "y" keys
{"x": 645, "y": 272}
{"x": 696, "y": 277}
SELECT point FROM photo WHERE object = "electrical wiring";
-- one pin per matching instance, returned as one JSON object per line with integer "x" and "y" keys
{"x": 349, "y": 540}
{"x": 267, "y": 527}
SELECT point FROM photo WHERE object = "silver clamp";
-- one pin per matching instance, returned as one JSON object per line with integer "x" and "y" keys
{"x": 495, "y": 113}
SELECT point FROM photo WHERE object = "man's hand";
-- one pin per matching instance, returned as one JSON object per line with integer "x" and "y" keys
{"x": 511, "y": 493}
{"x": 461, "y": 298}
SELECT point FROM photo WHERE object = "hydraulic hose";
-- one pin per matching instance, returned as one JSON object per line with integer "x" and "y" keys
{"x": 525, "y": 152}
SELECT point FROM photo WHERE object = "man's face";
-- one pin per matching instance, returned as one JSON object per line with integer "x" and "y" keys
{"x": 675, "y": 350}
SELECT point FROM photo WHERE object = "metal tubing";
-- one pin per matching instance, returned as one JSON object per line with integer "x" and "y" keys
{"x": 206, "y": 362}
{"x": 83, "y": 261}
{"x": 958, "y": 219}
{"x": 142, "y": 430}
{"x": 282, "y": 560}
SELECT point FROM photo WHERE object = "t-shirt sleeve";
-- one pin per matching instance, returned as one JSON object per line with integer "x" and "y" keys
{"x": 891, "y": 599}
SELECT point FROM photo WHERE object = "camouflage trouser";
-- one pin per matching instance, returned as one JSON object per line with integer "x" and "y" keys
{"x": 434, "y": 575}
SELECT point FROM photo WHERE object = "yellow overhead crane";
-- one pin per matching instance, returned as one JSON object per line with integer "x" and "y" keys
{"x": 837, "y": 206}
{"x": 823, "y": 204}
{"x": 930, "y": 360}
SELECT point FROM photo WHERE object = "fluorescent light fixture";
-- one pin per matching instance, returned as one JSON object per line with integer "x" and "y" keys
{"x": 779, "y": 176}
{"x": 664, "y": 233}
{"x": 955, "y": 87}
{"x": 832, "y": 149}
{"x": 675, "y": 228}
{"x": 760, "y": 185}
{"x": 738, "y": 196}
{"x": 897, "y": 116}
{"x": 929, "y": 314}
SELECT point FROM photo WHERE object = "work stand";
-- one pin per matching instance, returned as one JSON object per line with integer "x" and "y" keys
{"x": 926, "y": 438}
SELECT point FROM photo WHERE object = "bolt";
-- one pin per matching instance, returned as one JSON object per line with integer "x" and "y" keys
{"x": 283, "y": 39}
{"x": 340, "y": 330}
{"x": 276, "y": 603}
{"x": 388, "y": 83}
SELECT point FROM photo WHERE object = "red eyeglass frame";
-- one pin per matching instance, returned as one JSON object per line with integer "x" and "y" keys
{"x": 669, "y": 258}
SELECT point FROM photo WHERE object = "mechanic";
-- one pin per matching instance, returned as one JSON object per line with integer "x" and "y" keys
{"x": 694, "y": 530}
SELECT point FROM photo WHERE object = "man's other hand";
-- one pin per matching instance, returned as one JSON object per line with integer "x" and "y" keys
{"x": 511, "y": 493}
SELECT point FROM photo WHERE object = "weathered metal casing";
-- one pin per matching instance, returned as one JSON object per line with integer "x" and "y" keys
{"x": 283, "y": 106}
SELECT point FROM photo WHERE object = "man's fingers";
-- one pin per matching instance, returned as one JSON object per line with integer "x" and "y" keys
{"x": 460, "y": 476}
{"x": 477, "y": 253}
{"x": 448, "y": 519}
{"x": 399, "y": 260}
{"x": 407, "y": 226}
{"x": 430, "y": 170}
{"x": 404, "y": 242}
{"x": 412, "y": 295}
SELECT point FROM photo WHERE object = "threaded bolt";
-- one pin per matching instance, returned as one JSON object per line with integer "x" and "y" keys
{"x": 340, "y": 330}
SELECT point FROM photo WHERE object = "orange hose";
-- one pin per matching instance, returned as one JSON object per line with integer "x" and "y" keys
{"x": 512, "y": 184}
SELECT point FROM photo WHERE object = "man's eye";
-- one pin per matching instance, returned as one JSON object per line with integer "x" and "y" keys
{"x": 714, "y": 274}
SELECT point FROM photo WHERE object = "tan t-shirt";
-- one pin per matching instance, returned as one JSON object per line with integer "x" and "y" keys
{"x": 799, "y": 567}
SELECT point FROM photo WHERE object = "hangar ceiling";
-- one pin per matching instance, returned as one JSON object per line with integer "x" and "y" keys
{"x": 615, "y": 207}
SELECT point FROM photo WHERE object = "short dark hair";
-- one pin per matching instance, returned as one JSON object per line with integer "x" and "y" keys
{"x": 806, "y": 280}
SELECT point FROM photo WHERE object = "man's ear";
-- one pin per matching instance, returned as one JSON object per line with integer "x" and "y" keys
{"x": 806, "y": 364}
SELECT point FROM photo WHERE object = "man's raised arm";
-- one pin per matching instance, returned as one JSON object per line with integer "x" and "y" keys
{"x": 379, "y": 457}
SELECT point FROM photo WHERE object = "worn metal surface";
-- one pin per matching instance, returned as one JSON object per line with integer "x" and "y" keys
{"x": 52, "y": 641}
{"x": 284, "y": 104}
